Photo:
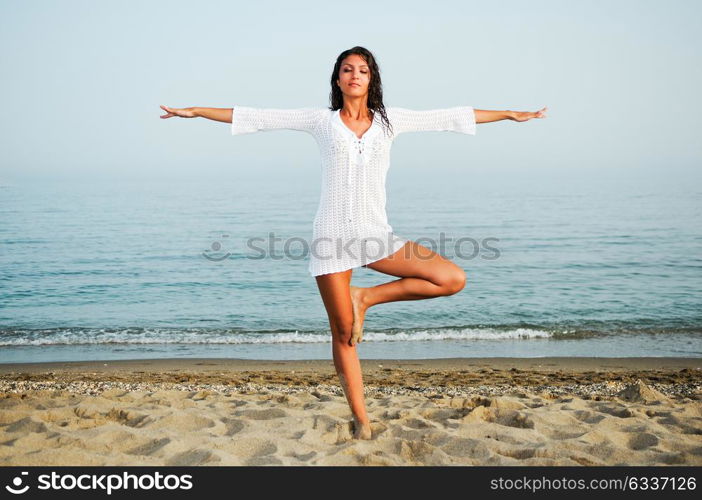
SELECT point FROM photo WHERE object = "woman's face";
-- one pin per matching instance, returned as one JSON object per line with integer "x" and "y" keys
{"x": 354, "y": 76}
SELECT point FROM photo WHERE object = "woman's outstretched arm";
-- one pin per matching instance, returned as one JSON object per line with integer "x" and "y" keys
{"x": 486, "y": 115}
{"x": 216, "y": 114}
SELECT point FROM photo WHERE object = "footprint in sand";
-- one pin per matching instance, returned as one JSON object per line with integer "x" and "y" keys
{"x": 588, "y": 417}
{"x": 674, "y": 459}
{"x": 250, "y": 448}
{"x": 26, "y": 425}
{"x": 518, "y": 453}
{"x": 150, "y": 447}
{"x": 441, "y": 415}
{"x": 515, "y": 419}
{"x": 192, "y": 457}
{"x": 267, "y": 414}
{"x": 615, "y": 411}
{"x": 415, "y": 451}
{"x": 304, "y": 457}
{"x": 466, "y": 447}
{"x": 642, "y": 441}
{"x": 393, "y": 415}
{"x": 111, "y": 438}
{"x": 128, "y": 417}
{"x": 563, "y": 433}
{"x": 183, "y": 422}
{"x": 332, "y": 430}
{"x": 232, "y": 426}
{"x": 236, "y": 403}
{"x": 509, "y": 418}
{"x": 429, "y": 435}
{"x": 418, "y": 423}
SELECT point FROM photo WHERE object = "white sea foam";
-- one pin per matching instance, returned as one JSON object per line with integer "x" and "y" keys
{"x": 186, "y": 336}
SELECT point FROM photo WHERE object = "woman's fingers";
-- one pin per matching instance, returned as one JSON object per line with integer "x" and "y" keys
{"x": 168, "y": 114}
{"x": 172, "y": 112}
{"x": 183, "y": 113}
{"x": 523, "y": 116}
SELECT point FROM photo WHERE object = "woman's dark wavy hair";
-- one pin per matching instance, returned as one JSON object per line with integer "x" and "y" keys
{"x": 375, "y": 86}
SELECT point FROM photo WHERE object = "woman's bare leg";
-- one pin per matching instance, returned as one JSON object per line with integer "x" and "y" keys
{"x": 335, "y": 292}
{"x": 424, "y": 275}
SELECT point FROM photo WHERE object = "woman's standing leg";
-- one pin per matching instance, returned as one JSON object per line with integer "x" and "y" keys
{"x": 335, "y": 291}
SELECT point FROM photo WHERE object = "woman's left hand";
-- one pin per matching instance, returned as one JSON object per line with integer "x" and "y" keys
{"x": 522, "y": 116}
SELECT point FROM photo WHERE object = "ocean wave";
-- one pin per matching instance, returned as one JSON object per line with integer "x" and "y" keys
{"x": 78, "y": 336}
{"x": 213, "y": 335}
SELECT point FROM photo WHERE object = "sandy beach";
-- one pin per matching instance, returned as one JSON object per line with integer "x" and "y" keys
{"x": 470, "y": 411}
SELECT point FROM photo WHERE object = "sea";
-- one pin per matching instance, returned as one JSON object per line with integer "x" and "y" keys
{"x": 603, "y": 262}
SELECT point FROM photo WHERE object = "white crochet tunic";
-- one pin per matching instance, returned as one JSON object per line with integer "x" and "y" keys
{"x": 351, "y": 228}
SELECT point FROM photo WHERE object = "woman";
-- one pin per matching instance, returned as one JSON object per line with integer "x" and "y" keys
{"x": 351, "y": 229}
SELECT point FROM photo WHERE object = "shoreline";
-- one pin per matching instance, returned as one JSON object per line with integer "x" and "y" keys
{"x": 238, "y": 364}
{"x": 583, "y": 377}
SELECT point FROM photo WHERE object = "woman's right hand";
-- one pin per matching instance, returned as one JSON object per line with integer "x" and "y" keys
{"x": 183, "y": 113}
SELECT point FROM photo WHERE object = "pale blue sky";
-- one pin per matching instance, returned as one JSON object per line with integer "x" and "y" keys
{"x": 82, "y": 82}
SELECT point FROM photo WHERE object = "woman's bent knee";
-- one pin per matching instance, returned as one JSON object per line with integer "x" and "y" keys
{"x": 455, "y": 282}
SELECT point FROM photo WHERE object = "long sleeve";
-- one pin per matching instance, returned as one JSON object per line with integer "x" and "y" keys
{"x": 246, "y": 120}
{"x": 459, "y": 119}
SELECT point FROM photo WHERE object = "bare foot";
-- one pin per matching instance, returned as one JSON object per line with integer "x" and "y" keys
{"x": 359, "y": 312}
{"x": 361, "y": 431}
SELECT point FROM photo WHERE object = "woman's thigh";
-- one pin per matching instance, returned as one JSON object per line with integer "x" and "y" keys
{"x": 417, "y": 261}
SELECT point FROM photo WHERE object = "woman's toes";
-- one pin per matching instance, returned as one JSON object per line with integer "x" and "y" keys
{"x": 356, "y": 337}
